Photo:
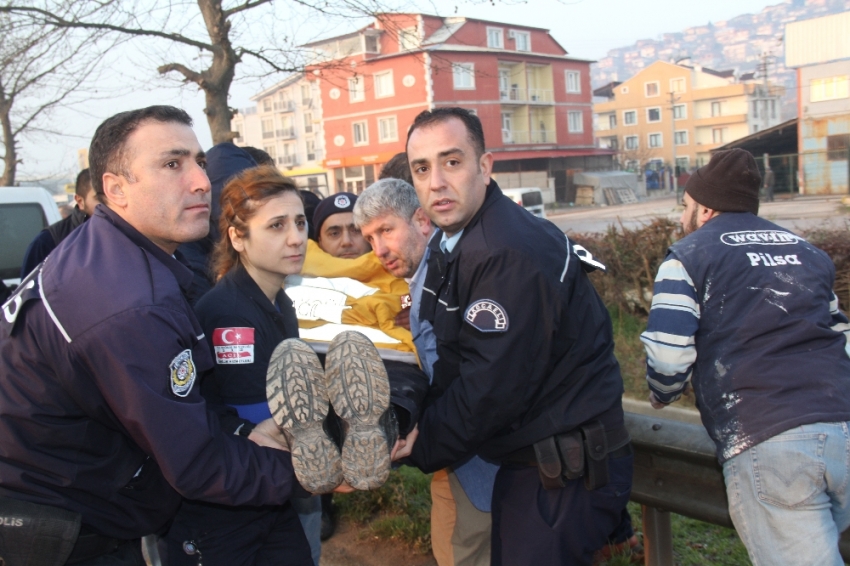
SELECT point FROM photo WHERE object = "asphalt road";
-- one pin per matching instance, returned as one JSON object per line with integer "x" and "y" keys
{"x": 797, "y": 214}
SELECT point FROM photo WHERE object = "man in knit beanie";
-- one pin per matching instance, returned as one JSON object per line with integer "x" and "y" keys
{"x": 744, "y": 312}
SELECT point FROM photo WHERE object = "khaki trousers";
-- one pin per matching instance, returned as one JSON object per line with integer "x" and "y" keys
{"x": 460, "y": 533}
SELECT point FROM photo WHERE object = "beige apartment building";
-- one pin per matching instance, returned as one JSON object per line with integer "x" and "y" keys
{"x": 669, "y": 108}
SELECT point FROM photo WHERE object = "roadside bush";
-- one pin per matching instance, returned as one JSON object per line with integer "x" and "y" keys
{"x": 632, "y": 257}
{"x": 836, "y": 243}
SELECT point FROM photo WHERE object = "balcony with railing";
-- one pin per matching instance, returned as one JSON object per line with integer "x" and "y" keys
{"x": 284, "y": 106}
{"x": 285, "y": 133}
{"x": 510, "y": 137}
{"x": 519, "y": 95}
{"x": 268, "y": 135}
{"x": 287, "y": 160}
{"x": 316, "y": 155}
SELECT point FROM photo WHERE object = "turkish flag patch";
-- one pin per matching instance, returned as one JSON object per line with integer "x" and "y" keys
{"x": 234, "y": 345}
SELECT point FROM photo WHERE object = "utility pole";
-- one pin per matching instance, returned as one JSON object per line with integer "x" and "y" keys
{"x": 675, "y": 180}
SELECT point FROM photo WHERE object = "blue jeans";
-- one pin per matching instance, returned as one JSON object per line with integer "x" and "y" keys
{"x": 309, "y": 511}
{"x": 788, "y": 496}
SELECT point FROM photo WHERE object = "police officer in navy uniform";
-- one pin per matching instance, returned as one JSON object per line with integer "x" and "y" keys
{"x": 526, "y": 374}
{"x": 102, "y": 425}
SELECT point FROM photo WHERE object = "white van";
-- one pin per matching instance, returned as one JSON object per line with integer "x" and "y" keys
{"x": 24, "y": 212}
{"x": 529, "y": 198}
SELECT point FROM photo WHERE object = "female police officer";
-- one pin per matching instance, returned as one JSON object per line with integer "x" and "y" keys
{"x": 263, "y": 239}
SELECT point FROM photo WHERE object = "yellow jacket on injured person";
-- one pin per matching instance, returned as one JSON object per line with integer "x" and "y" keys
{"x": 332, "y": 295}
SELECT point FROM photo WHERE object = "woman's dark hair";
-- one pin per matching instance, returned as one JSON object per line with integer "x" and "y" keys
{"x": 240, "y": 199}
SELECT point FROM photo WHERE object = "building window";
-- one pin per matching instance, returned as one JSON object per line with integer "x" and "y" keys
{"x": 630, "y": 117}
{"x": 267, "y": 104}
{"x": 408, "y": 38}
{"x": 573, "y": 81}
{"x": 717, "y": 135}
{"x": 268, "y": 128}
{"x": 463, "y": 75}
{"x": 755, "y": 128}
{"x": 838, "y": 147}
{"x": 496, "y": 38}
{"x": 612, "y": 121}
{"x": 682, "y": 164}
{"x": 361, "y": 133}
{"x": 756, "y": 108}
{"x": 356, "y": 92}
{"x": 387, "y": 129}
{"x": 308, "y": 123}
{"x": 651, "y": 89}
{"x": 384, "y": 84}
{"x": 680, "y": 111}
{"x": 680, "y": 137}
{"x": 306, "y": 96}
{"x": 715, "y": 109}
{"x": 370, "y": 43}
{"x": 773, "y": 109}
{"x": 631, "y": 142}
{"x": 311, "y": 150}
{"x": 830, "y": 88}
{"x": 677, "y": 85}
{"x": 655, "y": 140}
{"x": 653, "y": 114}
{"x": 522, "y": 39}
{"x": 575, "y": 122}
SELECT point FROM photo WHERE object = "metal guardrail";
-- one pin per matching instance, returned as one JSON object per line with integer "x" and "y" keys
{"x": 676, "y": 470}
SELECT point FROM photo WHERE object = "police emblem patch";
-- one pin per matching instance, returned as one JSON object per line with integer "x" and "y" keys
{"x": 487, "y": 316}
{"x": 342, "y": 201}
{"x": 183, "y": 373}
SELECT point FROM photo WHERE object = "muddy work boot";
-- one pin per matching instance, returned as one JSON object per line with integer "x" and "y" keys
{"x": 298, "y": 401}
{"x": 359, "y": 391}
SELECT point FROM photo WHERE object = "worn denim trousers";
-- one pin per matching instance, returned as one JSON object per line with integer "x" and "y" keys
{"x": 788, "y": 496}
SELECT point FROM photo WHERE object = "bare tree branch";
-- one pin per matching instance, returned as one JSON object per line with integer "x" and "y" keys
{"x": 243, "y": 7}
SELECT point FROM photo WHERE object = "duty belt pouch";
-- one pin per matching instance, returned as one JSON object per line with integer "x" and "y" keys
{"x": 548, "y": 463}
{"x": 36, "y": 535}
{"x": 596, "y": 448}
{"x": 572, "y": 454}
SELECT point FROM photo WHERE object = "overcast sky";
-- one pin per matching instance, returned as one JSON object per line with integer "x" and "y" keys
{"x": 585, "y": 28}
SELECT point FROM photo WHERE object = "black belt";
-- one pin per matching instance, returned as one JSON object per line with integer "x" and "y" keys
{"x": 619, "y": 446}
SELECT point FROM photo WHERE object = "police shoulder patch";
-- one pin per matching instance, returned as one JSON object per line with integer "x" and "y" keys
{"x": 183, "y": 373}
{"x": 487, "y": 316}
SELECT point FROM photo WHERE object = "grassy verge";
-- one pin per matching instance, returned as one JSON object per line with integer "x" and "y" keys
{"x": 400, "y": 510}
{"x": 694, "y": 543}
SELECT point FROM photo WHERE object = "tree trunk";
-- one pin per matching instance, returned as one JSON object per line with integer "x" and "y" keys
{"x": 10, "y": 161}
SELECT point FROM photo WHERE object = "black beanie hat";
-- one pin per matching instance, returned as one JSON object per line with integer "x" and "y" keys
{"x": 729, "y": 183}
{"x": 334, "y": 204}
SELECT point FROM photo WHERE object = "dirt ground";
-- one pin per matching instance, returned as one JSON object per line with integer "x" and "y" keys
{"x": 352, "y": 546}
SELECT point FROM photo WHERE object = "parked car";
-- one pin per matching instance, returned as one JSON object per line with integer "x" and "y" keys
{"x": 529, "y": 198}
{"x": 24, "y": 212}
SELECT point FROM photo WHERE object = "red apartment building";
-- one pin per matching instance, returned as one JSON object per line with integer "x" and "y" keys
{"x": 533, "y": 100}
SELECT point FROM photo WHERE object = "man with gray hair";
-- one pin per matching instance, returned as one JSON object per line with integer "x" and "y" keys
{"x": 391, "y": 219}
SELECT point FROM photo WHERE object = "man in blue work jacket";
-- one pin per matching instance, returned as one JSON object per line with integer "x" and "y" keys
{"x": 102, "y": 426}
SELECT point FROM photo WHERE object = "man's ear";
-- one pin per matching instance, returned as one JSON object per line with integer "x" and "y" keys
{"x": 79, "y": 201}
{"x": 486, "y": 165}
{"x": 421, "y": 221}
{"x": 113, "y": 190}
{"x": 704, "y": 214}
{"x": 236, "y": 240}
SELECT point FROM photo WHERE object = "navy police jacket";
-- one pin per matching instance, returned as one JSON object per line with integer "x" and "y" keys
{"x": 768, "y": 358}
{"x": 99, "y": 410}
{"x": 243, "y": 328}
{"x": 524, "y": 342}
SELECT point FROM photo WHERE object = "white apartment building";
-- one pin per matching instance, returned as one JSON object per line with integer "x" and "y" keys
{"x": 287, "y": 124}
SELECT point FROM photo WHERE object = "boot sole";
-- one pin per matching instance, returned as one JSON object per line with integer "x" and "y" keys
{"x": 360, "y": 393}
{"x": 298, "y": 401}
